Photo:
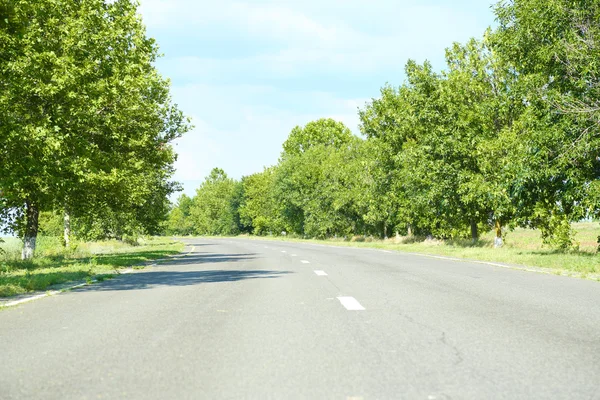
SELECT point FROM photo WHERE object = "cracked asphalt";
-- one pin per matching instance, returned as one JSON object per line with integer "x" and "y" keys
{"x": 255, "y": 319}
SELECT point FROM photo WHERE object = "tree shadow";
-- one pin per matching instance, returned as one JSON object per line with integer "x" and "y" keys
{"x": 206, "y": 258}
{"x": 156, "y": 279}
{"x": 466, "y": 243}
{"x": 458, "y": 242}
{"x": 556, "y": 252}
{"x": 129, "y": 259}
{"x": 198, "y": 244}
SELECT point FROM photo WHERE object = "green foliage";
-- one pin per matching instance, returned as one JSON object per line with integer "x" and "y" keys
{"x": 86, "y": 119}
{"x": 259, "y": 208}
{"x": 315, "y": 192}
{"x": 179, "y": 221}
{"x": 320, "y": 190}
{"x": 555, "y": 227}
{"x": 507, "y": 135}
{"x": 327, "y": 132}
{"x": 214, "y": 211}
{"x": 51, "y": 224}
{"x": 554, "y": 46}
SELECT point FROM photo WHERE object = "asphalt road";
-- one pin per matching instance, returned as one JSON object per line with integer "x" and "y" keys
{"x": 249, "y": 319}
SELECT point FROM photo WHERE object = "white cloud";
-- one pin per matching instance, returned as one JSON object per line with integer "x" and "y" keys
{"x": 301, "y": 45}
{"x": 251, "y": 71}
{"x": 253, "y": 133}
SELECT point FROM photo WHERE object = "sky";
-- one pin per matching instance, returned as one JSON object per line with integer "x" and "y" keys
{"x": 248, "y": 72}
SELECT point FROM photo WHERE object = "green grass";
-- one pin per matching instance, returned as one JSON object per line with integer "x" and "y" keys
{"x": 83, "y": 262}
{"x": 523, "y": 247}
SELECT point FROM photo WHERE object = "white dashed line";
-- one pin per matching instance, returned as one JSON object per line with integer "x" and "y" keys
{"x": 283, "y": 251}
{"x": 386, "y": 251}
{"x": 305, "y": 262}
{"x": 321, "y": 273}
{"x": 351, "y": 303}
{"x": 294, "y": 255}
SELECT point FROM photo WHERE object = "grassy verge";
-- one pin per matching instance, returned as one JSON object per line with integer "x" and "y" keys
{"x": 84, "y": 261}
{"x": 523, "y": 247}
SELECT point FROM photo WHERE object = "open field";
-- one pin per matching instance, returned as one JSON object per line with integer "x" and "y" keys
{"x": 523, "y": 247}
{"x": 84, "y": 261}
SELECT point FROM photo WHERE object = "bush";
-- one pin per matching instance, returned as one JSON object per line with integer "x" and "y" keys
{"x": 131, "y": 240}
{"x": 559, "y": 235}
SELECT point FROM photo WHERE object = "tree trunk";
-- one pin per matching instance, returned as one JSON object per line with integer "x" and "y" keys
{"x": 31, "y": 231}
{"x": 385, "y": 231}
{"x": 498, "y": 240}
{"x": 409, "y": 231}
{"x": 67, "y": 231}
{"x": 474, "y": 232}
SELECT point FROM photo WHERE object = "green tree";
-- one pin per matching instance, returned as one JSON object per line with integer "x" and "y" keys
{"x": 321, "y": 190}
{"x": 87, "y": 117}
{"x": 553, "y": 47}
{"x": 481, "y": 106}
{"x": 438, "y": 151}
{"x": 327, "y": 132}
{"x": 214, "y": 210}
{"x": 308, "y": 185}
{"x": 259, "y": 209}
{"x": 180, "y": 221}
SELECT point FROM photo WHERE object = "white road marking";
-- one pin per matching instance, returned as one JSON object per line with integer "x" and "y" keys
{"x": 294, "y": 255}
{"x": 350, "y": 303}
{"x": 305, "y": 262}
{"x": 321, "y": 273}
{"x": 28, "y": 299}
{"x": 283, "y": 251}
{"x": 42, "y": 295}
{"x": 386, "y": 251}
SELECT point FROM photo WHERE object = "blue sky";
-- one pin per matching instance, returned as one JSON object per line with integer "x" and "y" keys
{"x": 247, "y": 72}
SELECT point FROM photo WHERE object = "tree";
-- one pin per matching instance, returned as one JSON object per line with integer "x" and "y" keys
{"x": 87, "y": 117}
{"x": 327, "y": 132}
{"x": 309, "y": 180}
{"x": 214, "y": 210}
{"x": 259, "y": 209}
{"x": 553, "y": 47}
{"x": 180, "y": 221}
{"x": 479, "y": 93}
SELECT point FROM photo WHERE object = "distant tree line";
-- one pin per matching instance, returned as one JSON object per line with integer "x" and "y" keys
{"x": 506, "y": 135}
{"x": 86, "y": 121}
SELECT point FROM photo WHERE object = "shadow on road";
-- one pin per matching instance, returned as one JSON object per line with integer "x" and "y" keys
{"x": 154, "y": 279}
{"x": 190, "y": 244}
{"x": 206, "y": 258}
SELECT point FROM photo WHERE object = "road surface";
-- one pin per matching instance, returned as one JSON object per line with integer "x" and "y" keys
{"x": 253, "y": 319}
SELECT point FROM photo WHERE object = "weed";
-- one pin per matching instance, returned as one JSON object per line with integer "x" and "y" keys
{"x": 103, "y": 277}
